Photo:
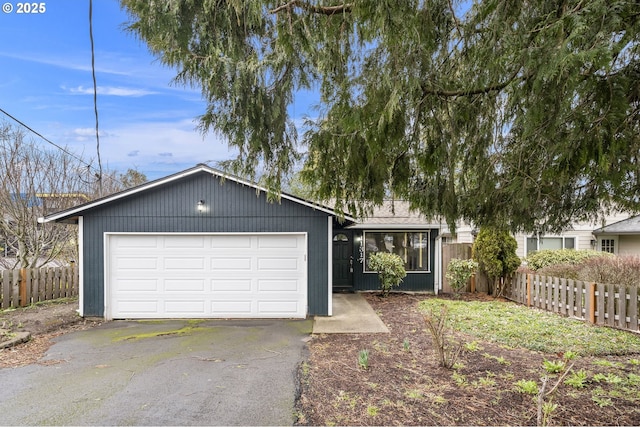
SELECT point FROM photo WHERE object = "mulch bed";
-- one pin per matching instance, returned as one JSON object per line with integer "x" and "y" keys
{"x": 404, "y": 384}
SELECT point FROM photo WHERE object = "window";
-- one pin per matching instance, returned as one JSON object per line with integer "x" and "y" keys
{"x": 542, "y": 243}
{"x": 608, "y": 245}
{"x": 412, "y": 247}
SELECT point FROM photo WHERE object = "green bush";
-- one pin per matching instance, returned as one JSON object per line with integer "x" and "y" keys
{"x": 459, "y": 271}
{"x": 390, "y": 268}
{"x": 495, "y": 252}
{"x": 547, "y": 257}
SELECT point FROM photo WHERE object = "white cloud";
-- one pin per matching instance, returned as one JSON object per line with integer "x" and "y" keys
{"x": 110, "y": 91}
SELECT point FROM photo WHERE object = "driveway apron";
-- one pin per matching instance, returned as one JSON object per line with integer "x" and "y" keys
{"x": 173, "y": 372}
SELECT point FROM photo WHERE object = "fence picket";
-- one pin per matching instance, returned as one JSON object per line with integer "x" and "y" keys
{"x": 603, "y": 304}
{"x": 41, "y": 284}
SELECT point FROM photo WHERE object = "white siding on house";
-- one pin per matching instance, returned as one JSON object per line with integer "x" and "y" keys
{"x": 628, "y": 244}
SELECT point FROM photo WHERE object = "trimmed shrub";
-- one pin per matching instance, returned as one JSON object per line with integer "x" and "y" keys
{"x": 547, "y": 257}
{"x": 390, "y": 268}
{"x": 568, "y": 271}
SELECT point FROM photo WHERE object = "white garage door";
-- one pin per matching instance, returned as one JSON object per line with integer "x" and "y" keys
{"x": 206, "y": 275}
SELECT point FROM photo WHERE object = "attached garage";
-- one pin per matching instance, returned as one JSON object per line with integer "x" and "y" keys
{"x": 171, "y": 275}
{"x": 203, "y": 244}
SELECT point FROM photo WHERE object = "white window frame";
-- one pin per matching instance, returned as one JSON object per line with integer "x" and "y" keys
{"x": 614, "y": 238}
{"x": 428, "y": 249}
{"x": 539, "y": 238}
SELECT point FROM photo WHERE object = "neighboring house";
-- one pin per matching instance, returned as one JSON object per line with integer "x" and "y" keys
{"x": 620, "y": 238}
{"x": 580, "y": 235}
{"x": 202, "y": 243}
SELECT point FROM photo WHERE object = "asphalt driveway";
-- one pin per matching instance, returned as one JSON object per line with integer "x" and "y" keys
{"x": 176, "y": 372}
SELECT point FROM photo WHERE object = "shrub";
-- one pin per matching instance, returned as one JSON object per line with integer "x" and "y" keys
{"x": 495, "y": 252}
{"x": 620, "y": 270}
{"x": 390, "y": 268}
{"x": 548, "y": 257}
{"x": 459, "y": 271}
{"x": 568, "y": 271}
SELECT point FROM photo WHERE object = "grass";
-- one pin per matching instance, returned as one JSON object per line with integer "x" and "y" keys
{"x": 514, "y": 326}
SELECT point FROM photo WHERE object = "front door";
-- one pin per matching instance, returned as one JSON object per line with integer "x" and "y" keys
{"x": 342, "y": 261}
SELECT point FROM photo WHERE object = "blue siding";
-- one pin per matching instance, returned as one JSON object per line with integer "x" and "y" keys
{"x": 416, "y": 281}
{"x": 233, "y": 207}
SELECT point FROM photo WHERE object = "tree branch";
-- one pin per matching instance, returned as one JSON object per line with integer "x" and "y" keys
{"x": 470, "y": 92}
{"x": 323, "y": 10}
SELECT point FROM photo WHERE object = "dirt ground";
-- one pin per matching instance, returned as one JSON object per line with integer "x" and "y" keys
{"x": 404, "y": 384}
{"x": 44, "y": 322}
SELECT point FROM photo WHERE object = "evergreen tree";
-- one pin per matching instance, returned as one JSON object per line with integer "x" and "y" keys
{"x": 519, "y": 114}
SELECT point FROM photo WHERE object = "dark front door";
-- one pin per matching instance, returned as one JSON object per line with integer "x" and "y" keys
{"x": 342, "y": 261}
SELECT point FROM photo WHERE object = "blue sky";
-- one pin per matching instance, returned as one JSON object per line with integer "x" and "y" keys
{"x": 145, "y": 122}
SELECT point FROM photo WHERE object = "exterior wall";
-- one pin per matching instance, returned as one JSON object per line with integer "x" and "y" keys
{"x": 416, "y": 281}
{"x": 628, "y": 244}
{"x": 230, "y": 207}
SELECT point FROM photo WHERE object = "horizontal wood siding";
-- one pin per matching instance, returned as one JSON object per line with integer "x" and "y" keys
{"x": 232, "y": 208}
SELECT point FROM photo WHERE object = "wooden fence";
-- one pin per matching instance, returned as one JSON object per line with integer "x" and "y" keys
{"x": 601, "y": 304}
{"x": 19, "y": 288}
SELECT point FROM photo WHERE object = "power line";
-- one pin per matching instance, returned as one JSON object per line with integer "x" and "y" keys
{"x": 64, "y": 150}
{"x": 59, "y": 147}
{"x": 95, "y": 95}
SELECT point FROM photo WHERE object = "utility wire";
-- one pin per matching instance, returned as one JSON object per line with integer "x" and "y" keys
{"x": 95, "y": 95}
{"x": 59, "y": 147}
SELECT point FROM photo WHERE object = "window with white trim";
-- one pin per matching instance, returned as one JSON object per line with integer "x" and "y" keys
{"x": 608, "y": 245}
{"x": 544, "y": 242}
{"x": 412, "y": 246}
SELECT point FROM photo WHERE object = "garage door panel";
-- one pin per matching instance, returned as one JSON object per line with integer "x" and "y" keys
{"x": 232, "y": 307}
{"x": 132, "y": 263}
{"x": 207, "y": 275}
{"x": 271, "y": 307}
{"x": 129, "y": 285}
{"x": 184, "y": 263}
{"x": 222, "y": 263}
{"x": 184, "y": 285}
{"x": 231, "y": 285}
{"x": 180, "y": 308}
{"x": 278, "y": 242}
{"x": 137, "y": 306}
{"x": 183, "y": 242}
{"x": 231, "y": 242}
{"x": 278, "y": 285}
{"x": 279, "y": 263}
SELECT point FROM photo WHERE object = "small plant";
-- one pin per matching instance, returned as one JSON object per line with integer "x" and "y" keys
{"x": 553, "y": 367}
{"x": 414, "y": 394}
{"x": 363, "y": 359}
{"x": 577, "y": 379}
{"x": 372, "y": 410}
{"x": 405, "y": 344}
{"x": 447, "y": 350}
{"x": 390, "y": 268}
{"x": 459, "y": 379}
{"x": 459, "y": 271}
{"x": 472, "y": 346}
{"x": 527, "y": 387}
{"x": 634, "y": 362}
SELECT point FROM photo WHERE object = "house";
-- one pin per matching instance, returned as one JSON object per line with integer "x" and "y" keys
{"x": 202, "y": 243}
{"x": 621, "y": 237}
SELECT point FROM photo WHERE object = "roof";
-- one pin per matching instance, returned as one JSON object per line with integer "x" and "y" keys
{"x": 626, "y": 226}
{"x": 395, "y": 214}
{"x": 78, "y": 210}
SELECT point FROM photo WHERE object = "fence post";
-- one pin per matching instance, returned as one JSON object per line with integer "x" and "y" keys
{"x": 528, "y": 290}
{"x": 591, "y": 303}
{"x": 22, "y": 287}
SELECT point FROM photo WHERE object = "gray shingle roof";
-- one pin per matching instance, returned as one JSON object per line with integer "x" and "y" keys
{"x": 395, "y": 214}
{"x": 626, "y": 226}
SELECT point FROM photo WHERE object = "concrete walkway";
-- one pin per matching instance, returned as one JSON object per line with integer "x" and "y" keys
{"x": 352, "y": 314}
